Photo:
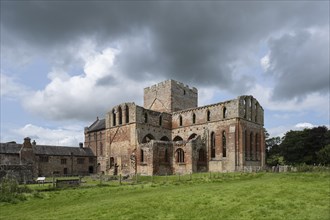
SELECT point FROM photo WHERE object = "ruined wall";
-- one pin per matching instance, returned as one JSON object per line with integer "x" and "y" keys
{"x": 170, "y": 96}
{"x": 250, "y": 109}
{"x": 186, "y": 166}
{"x": 145, "y": 159}
{"x": 162, "y": 157}
{"x": 120, "y": 140}
{"x": 121, "y": 144}
{"x": 95, "y": 141}
{"x": 22, "y": 173}
{"x": 252, "y": 144}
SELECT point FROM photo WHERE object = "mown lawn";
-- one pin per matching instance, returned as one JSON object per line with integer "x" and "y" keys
{"x": 230, "y": 196}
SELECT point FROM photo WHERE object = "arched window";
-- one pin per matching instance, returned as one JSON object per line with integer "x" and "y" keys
{"x": 180, "y": 120}
{"x": 208, "y": 115}
{"x": 120, "y": 112}
{"x": 127, "y": 113}
{"x": 224, "y": 113}
{"x": 166, "y": 159}
{"x": 113, "y": 117}
{"x": 251, "y": 109}
{"x": 178, "y": 138}
{"x": 147, "y": 138}
{"x": 251, "y": 144}
{"x": 192, "y": 136}
{"x": 244, "y": 104}
{"x": 146, "y": 117}
{"x": 257, "y": 152}
{"x": 256, "y": 112}
{"x": 112, "y": 162}
{"x": 246, "y": 149}
{"x": 224, "y": 144}
{"x": 193, "y": 118}
{"x": 201, "y": 155}
{"x": 160, "y": 120}
{"x": 164, "y": 138}
{"x": 142, "y": 156}
{"x": 212, "y": 145}
{"x": 180, "y": 156}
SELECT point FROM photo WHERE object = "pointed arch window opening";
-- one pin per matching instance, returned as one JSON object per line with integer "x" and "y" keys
{"x": 146, "y": 117}
{"x": 257, "y": 151}
{"x": 142, "y": 156}
{"x": 224, "y": 144}
{"x": 251, "y": 144}
{"x": 225, "y": 112}
{"x": 126, "y": 114}
{"x": 244, "y": 104}
{"x": 160, "y": 120}
{"x": 180, "y": 156}
{"x": 113, "y": 117}
{"x": 246, "y": 148}
{"x": 120, "y": 116}
{"x": 212, "y": 145}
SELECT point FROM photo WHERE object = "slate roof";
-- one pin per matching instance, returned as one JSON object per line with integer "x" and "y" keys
{"x": 97, "y": 125}
{"x": 10, "y": 148}
{"x": 62, "y": 151}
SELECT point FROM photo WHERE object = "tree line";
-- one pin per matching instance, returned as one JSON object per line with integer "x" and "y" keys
{"x": 310, "y": 146}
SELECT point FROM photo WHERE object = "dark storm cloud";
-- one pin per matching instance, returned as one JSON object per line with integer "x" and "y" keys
{"x": 194, "y": 42}
{"x": 300, "y": 63}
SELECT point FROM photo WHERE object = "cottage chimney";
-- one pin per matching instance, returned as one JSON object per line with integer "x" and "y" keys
{"x": 27, "y": 142}
{"x": 81, "y": 145}
{"x": 27, "y": 155}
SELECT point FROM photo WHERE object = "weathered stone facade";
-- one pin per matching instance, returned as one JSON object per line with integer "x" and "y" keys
{"x": 170, "y": 134}
{"x": 46, "y": 160}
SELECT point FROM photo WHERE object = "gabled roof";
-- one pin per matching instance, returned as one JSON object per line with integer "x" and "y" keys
{"x": 11, "y": 148}
{"x": 97, "y": 125}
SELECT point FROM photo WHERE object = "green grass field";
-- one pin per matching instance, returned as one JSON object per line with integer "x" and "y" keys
{"x": 225, "y": 196}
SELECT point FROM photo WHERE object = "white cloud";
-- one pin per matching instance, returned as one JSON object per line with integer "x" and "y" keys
{"x": 265, "y": 62}
{"x": 304, "y": 125}
{"x": 63, "y": 136}
{"x": 281, "y": 130}
{"x": 315, "y": 102}
{"x": 87, "y": 95}
{"x": 10, "y": 88}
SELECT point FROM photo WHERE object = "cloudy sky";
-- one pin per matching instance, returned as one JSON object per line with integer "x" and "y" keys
{"x": 63, "y": 63}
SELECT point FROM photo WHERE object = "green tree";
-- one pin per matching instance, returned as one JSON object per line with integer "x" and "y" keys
{"x": 273, "y": 156}
{"x": 299, "y": 147}
{"x": 324, "y": 155}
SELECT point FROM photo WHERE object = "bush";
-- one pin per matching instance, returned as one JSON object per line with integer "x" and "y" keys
{"x": 310, "y": 168}
{"x": 11, "y": 192}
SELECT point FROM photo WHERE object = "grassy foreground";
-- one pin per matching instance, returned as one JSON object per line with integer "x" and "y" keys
{"x": 230, "y": 196}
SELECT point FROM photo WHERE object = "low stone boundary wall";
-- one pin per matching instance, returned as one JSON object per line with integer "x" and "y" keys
{"x": 22, "y": 173}
{"x": 67, "y": 183}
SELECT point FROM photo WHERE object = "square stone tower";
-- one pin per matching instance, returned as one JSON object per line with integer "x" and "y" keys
{"x": 170, "y": 96}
